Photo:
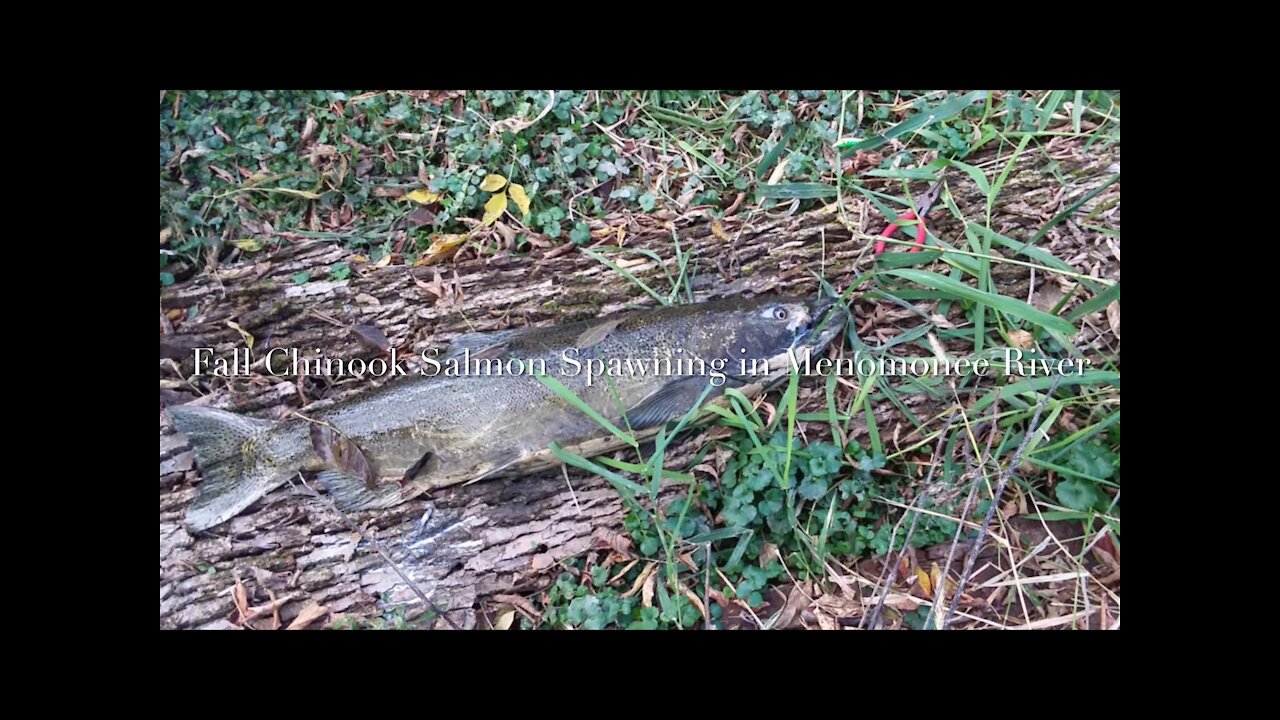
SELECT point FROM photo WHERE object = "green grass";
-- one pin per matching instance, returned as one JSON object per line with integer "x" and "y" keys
{"x": 791, "y": 500}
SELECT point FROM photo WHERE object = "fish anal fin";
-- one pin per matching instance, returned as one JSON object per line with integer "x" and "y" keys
{"x": 351, "y": 493}
{"x": 340, "y": 453}
{"x": 502, "y": 461}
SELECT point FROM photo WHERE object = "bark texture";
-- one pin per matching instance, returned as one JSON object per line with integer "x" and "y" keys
{"x": 293, "y": 551}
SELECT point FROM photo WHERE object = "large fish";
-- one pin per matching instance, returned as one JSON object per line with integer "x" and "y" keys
{"x": 473, "y": 414}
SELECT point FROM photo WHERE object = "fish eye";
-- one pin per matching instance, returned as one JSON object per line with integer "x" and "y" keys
{"x": 780, "y": 313}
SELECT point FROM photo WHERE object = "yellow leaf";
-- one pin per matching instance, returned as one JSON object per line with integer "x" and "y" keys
{"x": 925, "y": 584}
{"x": 522, "y": 200}
{"x": 250, "y": 245}
{"x": 248, "y": 339}
{"x": 167, "y": 233}
{"x": 504, "y": 620}
{"x": 494, "y": 208}
{"x": 385, "y": 261}
{"x": 493, "y": 183}
{"x": 359, "y": 259}
{"x": 422, "y": 196}
{"x": 442, "y": 245}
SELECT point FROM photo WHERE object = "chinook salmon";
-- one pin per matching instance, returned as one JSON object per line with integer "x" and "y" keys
{"x": 638, "y": 370}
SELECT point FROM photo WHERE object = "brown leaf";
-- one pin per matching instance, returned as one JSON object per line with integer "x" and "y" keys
{"x": 596, "y": 333}
{"x": 640, "y": 582}
{"x": 1113, "y": 317}
{"x": 309, "y": 128}
{"x": 389, "y": 192}
{"x": 423, "y": 177}
{"x": 421, "y": 216}
{"x": 367, "y": 299}
{"x": 521, "y": 604}
{"x": 646, "y": 595}
{"x": 241, "y": 596}
{"x": 613, "y": 540}
{"x": 790, "y": 615}
{"x": 1022, "y": 339}
{"x": 309, "y": 614}
{"x": 372, "y": 337}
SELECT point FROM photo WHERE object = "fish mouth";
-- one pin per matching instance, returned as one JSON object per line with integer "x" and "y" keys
{"x": 827, "y": 317}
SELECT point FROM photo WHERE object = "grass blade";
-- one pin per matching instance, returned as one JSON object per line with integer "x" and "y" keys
{"x": 1006, "y": 305}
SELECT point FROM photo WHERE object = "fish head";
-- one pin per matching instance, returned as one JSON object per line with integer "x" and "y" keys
{"x": 769, "y": 328}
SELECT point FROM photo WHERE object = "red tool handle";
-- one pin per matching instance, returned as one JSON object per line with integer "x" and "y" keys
{"x": 888, "y": 232}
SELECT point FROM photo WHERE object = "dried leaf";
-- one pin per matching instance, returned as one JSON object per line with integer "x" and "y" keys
{"x": 613, "y": 540}
{"x": 165, "y": 234}
{"x": 309, "y": 614}
{"x": 1022, "y": 339}
{"x": 443, "y": 246}
{"x": 790, "y": 614}
{"x": 309, "y": 128}
{"x": 391, "y": 192}
{"x": 646, "y": 595}
{"x": 595, "y": 334}
{"x": 367, "y": 299}
{"x": 521, "y": 199}
{"x": 242, "y": 601}
{"x": 718, "y": 230}
{"x": 504, "y": 620}
{"x": 420, "y": 217}
{"x": 422, "y": 196}
{"x": 422, "y": 173}
{"x": 1113, "y": 317}
{"x": 250, "y": 245}
{"x": 522, "y": 605}
{"x": 372, "y": 336}
{"x": 494, "y": 208}
{"x": 384, "y": 261}
{"x": 248, "y": 339}
{"x": 935, "y": 575}
{"x": 640, "y": 582}
{"x": 493, "y": 183}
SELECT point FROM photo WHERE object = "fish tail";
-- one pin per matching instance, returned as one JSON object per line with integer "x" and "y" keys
{"x": 236, "y": 465}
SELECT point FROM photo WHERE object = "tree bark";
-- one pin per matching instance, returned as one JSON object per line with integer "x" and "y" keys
{"x": 501, "y": 537}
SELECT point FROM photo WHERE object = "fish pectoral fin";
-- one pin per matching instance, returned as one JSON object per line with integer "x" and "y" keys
{"x": 416, "y": 468}
{"x": 342, "y": 454}
{"x": 669, "y": 403}
{"x": 350, "y": 492}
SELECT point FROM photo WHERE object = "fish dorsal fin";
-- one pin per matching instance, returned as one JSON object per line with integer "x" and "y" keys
{"x": 484, "y": 344}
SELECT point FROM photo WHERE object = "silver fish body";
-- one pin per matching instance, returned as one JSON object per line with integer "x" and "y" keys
{"x": 491, "y": 416}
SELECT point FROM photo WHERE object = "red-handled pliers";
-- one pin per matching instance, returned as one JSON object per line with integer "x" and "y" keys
{"x": 921, "y": 210}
